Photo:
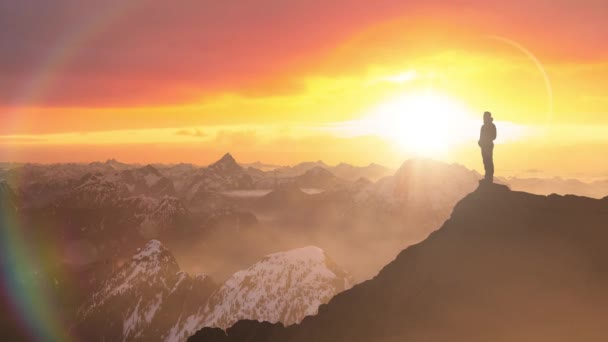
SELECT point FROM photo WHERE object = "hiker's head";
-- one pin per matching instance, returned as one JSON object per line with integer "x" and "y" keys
{"x": 487, "y": 117}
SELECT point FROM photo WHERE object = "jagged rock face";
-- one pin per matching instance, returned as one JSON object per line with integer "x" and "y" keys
{"x": 506, "y": 266}
{"x": 283, "y": 287}
{"x": 140, "y": 299}
{"x": 186, "y": 297}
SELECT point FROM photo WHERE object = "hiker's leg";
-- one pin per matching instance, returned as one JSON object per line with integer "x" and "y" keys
{"x": 490, "y": 168}
{"x": 488, "y": 165}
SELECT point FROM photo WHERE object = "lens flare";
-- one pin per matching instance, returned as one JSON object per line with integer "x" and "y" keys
{"x": 30, "y": 303}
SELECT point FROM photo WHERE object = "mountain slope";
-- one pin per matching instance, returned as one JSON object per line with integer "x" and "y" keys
{"x": 507, "y": 266}
{"x": 318, "y": 178}
{"x": 142, "y": 297}
{"x": 285, "y": 287}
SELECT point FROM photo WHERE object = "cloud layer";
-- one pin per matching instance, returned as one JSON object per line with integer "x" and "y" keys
{"x": 134, "y": 52}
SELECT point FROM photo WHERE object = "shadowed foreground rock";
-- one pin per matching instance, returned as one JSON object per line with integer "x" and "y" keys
{"x": 507, "y": 266}
{"x": 243, "y": 331}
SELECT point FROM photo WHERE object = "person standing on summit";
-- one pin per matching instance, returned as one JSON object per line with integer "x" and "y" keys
{"x": 486, "y": 142}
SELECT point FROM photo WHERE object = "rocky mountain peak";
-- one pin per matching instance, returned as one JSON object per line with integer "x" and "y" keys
{"x": 141, "y": 299}
{"x": 227, "y": 164}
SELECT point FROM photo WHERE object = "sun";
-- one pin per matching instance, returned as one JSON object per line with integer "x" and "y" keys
{"x": 425, "y": 124}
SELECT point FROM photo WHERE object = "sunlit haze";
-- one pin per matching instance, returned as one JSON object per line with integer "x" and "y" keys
{"x": 303, "y": 170}
{"x": 375, "y": 84}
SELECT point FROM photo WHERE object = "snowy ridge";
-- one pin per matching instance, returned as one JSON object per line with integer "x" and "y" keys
{"x": 282, "y": 287}
{"x": 146, "y": 295}
{"x": 154, "y": 300}
{"x": 148, "y": 266}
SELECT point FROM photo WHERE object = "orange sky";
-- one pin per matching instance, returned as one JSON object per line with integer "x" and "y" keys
{"x": 287, "y": 81}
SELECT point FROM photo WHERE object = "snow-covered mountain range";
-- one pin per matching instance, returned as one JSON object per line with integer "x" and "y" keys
{"x": 283, "y": 287}
{"x": 95, "y": 214}
{"x": 83, "y": 222}
{"x": 137, "y": 301}
{"x": 150, "y": 299}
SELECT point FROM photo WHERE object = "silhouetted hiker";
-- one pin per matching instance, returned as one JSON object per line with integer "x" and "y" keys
{"x": 486, "y": 142}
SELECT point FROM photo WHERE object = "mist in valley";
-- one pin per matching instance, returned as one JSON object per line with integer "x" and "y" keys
{"x": 82, "y": 225}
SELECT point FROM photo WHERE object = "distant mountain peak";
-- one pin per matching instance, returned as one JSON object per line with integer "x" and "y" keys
{"x": 319, "y": 170}
{"x": 228, "y": 158}
{"x": 113, "y": 163}
{"x": 226, "y": 163}
{"x": 149, "y": 169}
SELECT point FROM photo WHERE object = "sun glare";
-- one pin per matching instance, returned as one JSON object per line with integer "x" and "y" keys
{"x": 424, "y": 124}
